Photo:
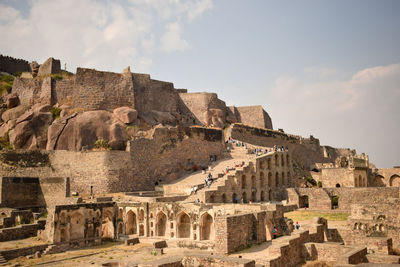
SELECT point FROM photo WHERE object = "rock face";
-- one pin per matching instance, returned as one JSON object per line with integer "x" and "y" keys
{"x": 13, "y": 113}
{"x": 125, "y": 114}
{"x": 83, "y": 130}
{"x": 12, "y": 100}
{"x": 50, "y": 66}
{"x": 215, "y": 117}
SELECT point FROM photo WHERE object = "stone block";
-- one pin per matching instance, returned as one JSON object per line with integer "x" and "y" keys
{"x": 160, "y": 244}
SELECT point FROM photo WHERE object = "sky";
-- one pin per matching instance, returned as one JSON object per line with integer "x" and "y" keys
{"x": 330, "y": 69}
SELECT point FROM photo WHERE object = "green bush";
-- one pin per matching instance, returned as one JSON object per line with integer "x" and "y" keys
{"x": 57, "y": 76}
{"x": 6, "y": 82}
{"x": 311, "y": 181}
{"x": 102, "y": 144}
{"x": 5, "y": 142}
{"x": 319, "y": 184}
{"x": 56, "y": 112}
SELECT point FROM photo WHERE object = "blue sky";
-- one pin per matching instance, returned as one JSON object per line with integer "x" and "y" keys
{"x": 327, "y": 68}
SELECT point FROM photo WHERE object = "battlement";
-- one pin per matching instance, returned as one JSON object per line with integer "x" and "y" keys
{"x": 13, "y": 65}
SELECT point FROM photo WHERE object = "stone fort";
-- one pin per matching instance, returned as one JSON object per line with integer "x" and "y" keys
{"x": 93, "y": 158}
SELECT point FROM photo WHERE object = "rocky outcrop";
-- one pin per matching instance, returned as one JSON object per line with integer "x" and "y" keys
{"x": 126, "y": 114}
{"x": 77, "y": 132}
{"x": 12, "y": 100}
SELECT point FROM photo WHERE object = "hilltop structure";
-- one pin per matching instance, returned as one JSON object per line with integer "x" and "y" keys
{"x": 96, "y": 156}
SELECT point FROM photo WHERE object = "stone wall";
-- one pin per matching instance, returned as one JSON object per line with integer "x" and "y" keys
{"x": 254, "y": 116}
{"x": 13, "y": 65}
{"x": 19, "y": 191}
{"x": 28, "y": 90}
{"x": 102, "y": 90}
{"x": 20, "y": 231}
{"x": 341, "y": 177}
{"x": 20, "y": 252}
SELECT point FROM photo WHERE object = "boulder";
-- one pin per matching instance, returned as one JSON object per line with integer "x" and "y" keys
{"x": 83, "y": 130}
{"x": 20, "y": 135}
{"x": 12, "y": 100}
{"x": 41, "y": 108}
{"x": 13, "y": 113}
{"x": 126, "y": 114}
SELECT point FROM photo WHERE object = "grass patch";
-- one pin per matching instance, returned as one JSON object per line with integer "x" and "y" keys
{"x": 56, "y": 112}
{"x": 305, "y": 215}
{"x": 5, "y": 142}
{"x": 6, "y": 82}
{"x": 57, "y": 76}
{"x": 102, "y": 145}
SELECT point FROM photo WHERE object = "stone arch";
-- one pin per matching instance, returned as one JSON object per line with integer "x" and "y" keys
{"x": 379, "y": 181}
{"x": 161, "y": 224}
{"x": 141, "y": 215}
{"x": 77, "y": 226}
{"x": 355, "y": 226}
{"x": 253, "y": 181}
{"x": 303, "y": 202}
{"x": 337, "y": 185}
{"x": 63, "y": 217}
{"x": 141, "y": 229}
{"x": 120, "y": 228}
{"x": 276, "y": 160}
{"x": 276, "y": 179}
{"x": 131, "y": 224}
{"x": 270, "y": 195}
{"x": 107, "y": 225}
{"x": 334, "y": 202}
{"x": 223, "y": 198}
{"x": 261, "y": 164}
{"x": 212, "y": 198}
{"x": 269, "y": 226}
{"x": 360, "y": 181}
{"x": 287, "y": 160}
{"x": 207, "y": 227}
{"x": 283, "y": 160}
{"x": 63, "y": 235}
{"x": 269, "y": 179}
{"x": 283, "y": 179}
{"x": 183, "y": 225}
{"x": 288, "y": 179}
{"x": 254, "y": 196}
{"x": 262, "y": 179}
{"x": 120, "y": 214}
{"x": 244, "y": 197}
{"x": 262, "y": 196}
{"x": 234, "y": 196}
{"x": 269, "y": 163}
{"x": 243, "y": 181}
{"x": 394, "y": 180}
{"x": 356, "y": 182}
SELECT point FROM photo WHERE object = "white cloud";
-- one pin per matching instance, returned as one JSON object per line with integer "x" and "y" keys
{"x": 105, "y": 35}
{"x": 327, "y": 105}
{"x": 172, "y": 39}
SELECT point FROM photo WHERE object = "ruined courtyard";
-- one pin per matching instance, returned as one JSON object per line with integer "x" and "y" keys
{"x": 118, "y": 169}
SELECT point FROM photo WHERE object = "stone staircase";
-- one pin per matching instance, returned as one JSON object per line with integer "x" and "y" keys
{"x": 3, "y": 261}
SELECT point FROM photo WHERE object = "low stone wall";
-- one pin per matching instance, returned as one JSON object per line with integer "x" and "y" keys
{"x": 335, "y": 253}
{"x": 20, "y": 232}
{"x": 20, "y": 252}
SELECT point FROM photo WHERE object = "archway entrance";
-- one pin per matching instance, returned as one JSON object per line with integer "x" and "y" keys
{"x": 394, "y": 181}
{"x": 244, "y": 197}
{"x": 161, "y": 224}
{"x": 131, "y": 226}
{"x": 303, "y": 202}
{"x": 207, "y": 227}
{"x": 183, "y": 226}
{"x": 254, "y": 196}
{"x": 107, "y": 225}
{"x": 335, "y": 202}
{"x": 262, "y": 196}
{"x": 77, "y": 226}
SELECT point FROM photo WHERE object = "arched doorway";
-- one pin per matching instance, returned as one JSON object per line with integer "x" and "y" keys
{"x": 270, "y": 195}
{"x": 268, "y": 230}
{"x": 276, "y": 160}
{"x": 283, "y": 160}
{"x": 107, "y": 225}
{"x": 262, "y": 196}
{"x": 254, "y": 196}
{"x": 63, "y": 235}
{"x": 283, "y": 179}
{"x": 269, "y": 179}
{"x": 337, "y": 185}
{"x": 244, "y": 197}
{"x": 243, "y": 181}
{"x": 234, "y": 198}
{"x": 183, "y": 225}
{"x": 120, "y": 228}
{"x": 131, "y": 224}
{"x": 269, "y": 163}
{"x": 379, "y": 181}
{"x": 335, "y": 202}
{"x": 253, "y": 182}
{"x": 262, "y": 182}
{"x": 303, "y": 202}
{"x": 276, "y": 179}
{"x": 223, "y": 198}
{"x": 394, "y": 180}
{"x": 161, "y": 224}
{"x": 207, "y": 227}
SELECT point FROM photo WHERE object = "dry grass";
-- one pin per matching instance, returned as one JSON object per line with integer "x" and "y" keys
{"x": 305, "y": 215}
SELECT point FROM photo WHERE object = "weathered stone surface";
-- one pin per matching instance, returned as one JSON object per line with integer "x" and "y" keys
{"x": 13, "y": 113}
{"x": 83, "y": 130}
{"x": 125, "y": 114}
{"x": 20, "y": 135}
{"x": 50, "y": 66}
{"x": 215, "y": 117}
{"x": 41, "y": 108}
{"x": 12, "y": 100}
{"x": 25, "y": 117}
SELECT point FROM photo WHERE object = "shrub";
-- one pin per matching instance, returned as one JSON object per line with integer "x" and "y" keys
{"x": 56, "y": 112}
{"x": 311, "y": 181}
{"x": 319, "y": 184}
{"x": 5, "y": 142}
{"x": 102, "y": 144}
{"x": 6, "y": 82}
{"x": 57, "y": 76}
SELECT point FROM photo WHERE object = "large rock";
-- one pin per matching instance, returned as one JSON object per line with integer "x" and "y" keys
{"x": 50, "y": 66}
{"x": 83, "y": 130}
{"x": 125, "y": 114}
{"x": 30, "y": 131}
{"x": 12, "y": 100}
{"x": 13, "y": 113}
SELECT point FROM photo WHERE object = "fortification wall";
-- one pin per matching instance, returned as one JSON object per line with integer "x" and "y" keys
{"x": 154, "y": 95}
{"x": 13, "y": 65}
{"x": 307, "y": 150}
{"x": 166, "y": 155}
{"x": 341, "y": 177}
{"x": 102, "y": 90}
{"x": 199, "y": 103}
{"x": 19, "y": 192}
{"x": 28, "y": 90}
{"x": 254, "y": 116}
{"x": 63, "y": 90}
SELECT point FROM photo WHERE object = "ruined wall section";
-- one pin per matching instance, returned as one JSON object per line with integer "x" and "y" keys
{"x": 13, "y": 65}
{"x": 28, "y": 90}
{"x": 153, "y": 94}
{"x": 63, "y": 90}
{"x": 198, "y": 104}
{"x": 168, "y": 153}
{"x": 96, "y": 90}
{"x": 254, "y": 116}
{"x": 19, "y": 192}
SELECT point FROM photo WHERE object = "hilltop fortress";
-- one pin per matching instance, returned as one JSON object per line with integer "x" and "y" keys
{"x": 93, "y": 156}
